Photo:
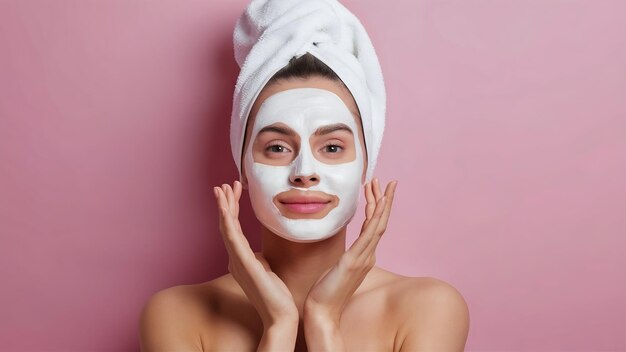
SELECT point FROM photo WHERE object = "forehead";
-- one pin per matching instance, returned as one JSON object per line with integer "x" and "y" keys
{"x": 309, "y": 82}
{"x": 313, "y": 81}
{"x": 303, "y": 109}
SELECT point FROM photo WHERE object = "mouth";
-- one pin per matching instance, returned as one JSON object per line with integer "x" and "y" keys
{"x": 295, "y": 204}
{"x": 306, "y": 207}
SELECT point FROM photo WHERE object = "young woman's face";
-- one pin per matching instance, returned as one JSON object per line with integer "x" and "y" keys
{"x": 304, "y": 158}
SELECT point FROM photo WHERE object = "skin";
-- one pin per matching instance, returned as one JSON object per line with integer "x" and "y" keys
{"x": 306, "y": 296}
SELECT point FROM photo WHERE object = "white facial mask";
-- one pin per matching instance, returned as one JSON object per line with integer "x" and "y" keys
{"x": 304, "y": 110}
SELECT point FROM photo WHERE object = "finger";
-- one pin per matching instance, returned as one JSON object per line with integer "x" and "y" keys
{"x": 223, "y": 203}
{"x": 371, "y": 201}
{"x": 217, "y": 201}
{"x": 376, "y": 189}
{"x": 390, "y": 192}
{"x": 237, "y": 194}
{"x": 237, "y": 189}
{"x": 384, "y": 219}
{"x": 221, "y": 198}
{"x": 230, "y": 197}
{"x": 223, "y": 227}
{"x": 233, "y": 202}
{"x": 373, "y": 224}
{"x": 368, "y": 230}
{"x": 236, "y": 241}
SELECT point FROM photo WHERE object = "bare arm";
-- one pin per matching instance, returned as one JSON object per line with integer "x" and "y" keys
{"x": 327, "y": 299}
{"x": 166, "y": 318}
{"x": 265, "y": 290}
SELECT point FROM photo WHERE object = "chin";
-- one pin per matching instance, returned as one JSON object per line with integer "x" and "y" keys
{"x": 307, "y": 238}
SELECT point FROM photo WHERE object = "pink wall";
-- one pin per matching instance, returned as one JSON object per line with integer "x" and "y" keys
{"x": 506, "y": 130}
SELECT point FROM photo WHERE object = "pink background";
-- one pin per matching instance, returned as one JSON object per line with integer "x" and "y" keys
{"x": 506, "y": 131}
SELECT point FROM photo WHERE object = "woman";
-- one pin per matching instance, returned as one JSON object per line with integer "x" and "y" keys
{"x": 303, "y": 159}
{"x": 313, "y": 295}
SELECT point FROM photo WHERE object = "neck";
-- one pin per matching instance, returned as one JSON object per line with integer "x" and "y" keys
{"x": 300, "y": 265}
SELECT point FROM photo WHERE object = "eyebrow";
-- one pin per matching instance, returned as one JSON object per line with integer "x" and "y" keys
{"x": 278, "y": 129}
{"x": 332, "y": 128}
{"x": 319, "y": 132}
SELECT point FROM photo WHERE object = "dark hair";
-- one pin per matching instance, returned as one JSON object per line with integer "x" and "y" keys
{"x": 305, "y": 66}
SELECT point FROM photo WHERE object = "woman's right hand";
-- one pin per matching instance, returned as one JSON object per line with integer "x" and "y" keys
{"x": 265, "y": 290}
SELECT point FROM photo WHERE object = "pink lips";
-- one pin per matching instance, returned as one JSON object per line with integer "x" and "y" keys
{"x": 306, "y": 208}
{"x": 305, "y": 205}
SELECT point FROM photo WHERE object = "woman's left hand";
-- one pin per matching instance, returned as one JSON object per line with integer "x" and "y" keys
{"x": 327, "y": 298}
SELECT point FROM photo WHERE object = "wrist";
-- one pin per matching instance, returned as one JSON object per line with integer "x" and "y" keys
{"x": 280, "y": 336}
{"x": 319, "y": 316}
{"x": 322, "y": 333}
{"x": 284, "y": 319}
{"x": 281, "y": 326}
{"x": 317, "y": 324}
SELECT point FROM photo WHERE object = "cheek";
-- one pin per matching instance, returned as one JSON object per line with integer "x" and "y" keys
{"x": 342, "y": 177}
{"x": 345, "y": 182}
{"x": 267, "y": 179}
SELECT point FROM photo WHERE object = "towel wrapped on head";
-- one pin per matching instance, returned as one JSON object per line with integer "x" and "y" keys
{"x": 271, "y": 32}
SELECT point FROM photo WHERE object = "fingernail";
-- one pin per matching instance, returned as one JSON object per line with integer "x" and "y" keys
{"x": 215, "y": 191}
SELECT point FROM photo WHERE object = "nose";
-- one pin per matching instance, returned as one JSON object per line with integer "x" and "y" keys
{"x": 303, "y": 172}
{"x": 304, "y": 180}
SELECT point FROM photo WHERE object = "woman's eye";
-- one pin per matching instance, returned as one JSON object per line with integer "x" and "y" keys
{"x": 333, "y": 148}
{"x": 277, "y": 148}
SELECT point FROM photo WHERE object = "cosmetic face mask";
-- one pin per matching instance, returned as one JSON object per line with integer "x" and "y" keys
{"x": 304, "y": 110}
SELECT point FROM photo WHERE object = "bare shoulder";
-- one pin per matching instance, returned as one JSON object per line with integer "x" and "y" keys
{"x": 165, "y": 320}
{"x": 427, "y": 291}
{"x": 406, "y": 286}
{"x": 172, "y": 318}
{"x": 431, "y": 313}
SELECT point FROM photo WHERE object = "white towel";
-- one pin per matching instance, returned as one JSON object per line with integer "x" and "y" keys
{"x": 270, "y": 32}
